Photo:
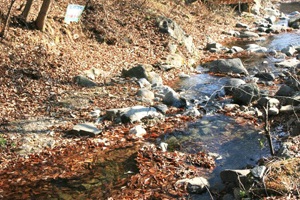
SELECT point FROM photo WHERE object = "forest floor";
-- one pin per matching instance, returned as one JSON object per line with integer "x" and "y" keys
{"x": 39, "y": 95}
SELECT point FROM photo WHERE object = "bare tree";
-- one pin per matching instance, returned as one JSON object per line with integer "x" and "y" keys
{"x": 2, "y": 34}
{"x": 41, "y": 18}
{"x": 26, "y": 10}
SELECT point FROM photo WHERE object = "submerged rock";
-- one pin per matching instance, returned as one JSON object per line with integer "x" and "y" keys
{"x": 247, "y": 93}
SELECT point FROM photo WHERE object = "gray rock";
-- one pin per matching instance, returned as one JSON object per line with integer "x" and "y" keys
{"x": 227, "y": 66}
{"x": 174, "y": 30}
{"x": 232, "y": 84}
{"x": 195, "y": 185}
{"x": 247, "y": 93}
{"x": 144, "y": 83}
{"x": 294, "y": 21}
{"x": 273, "y": 111}
{"x": 172, "y": 98}
{"x": 241, "y": 25}
{"x": 161, "y": 108}
{"x": 85, "y": 129}
{"x": 248, "y": 34}
{"x": 288, "y": 63}
{"x": 236, "y": 177}
{"x": 138, "y": 130}
{"x": 137, "y": 113}
{"x": 285, "y": 91}
{"x": 192, "y": 112}
{"x": 265, "y": 76}
{"x": 84, "y": 81}
{"x": 145, "y": 93}
{"x": 256, "y": 48}
{"x": 289, "y": 50}
{"x": 271, "y": 19}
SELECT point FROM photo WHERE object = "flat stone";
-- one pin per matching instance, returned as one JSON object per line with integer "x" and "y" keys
{"x": 85, "y": 129}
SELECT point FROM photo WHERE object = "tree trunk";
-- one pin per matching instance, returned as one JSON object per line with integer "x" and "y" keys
{"x": 41, "y": 18}
{"x": 2, "y": 34}
{"x": 26, "y": 10}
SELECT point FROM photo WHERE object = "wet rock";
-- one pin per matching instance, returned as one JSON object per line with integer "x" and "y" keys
{"x": 285, "y": 91}
{"x": 227, "y": 66}
{"x": 84, "y": 81}
{"x": 138, "y": 130}
{"x": 248, "y": 34}
{"x": 192, "y": 112}
{"x": 236, "y": 177}
{"x": 232, "y": 84}
{"x": 137, "y": 113}
{"x": 247, "y": 93}
{"x": 145, "y": 93}
{"x": 85, "y": 129}
{"x": 265, "y": 76}
{"x": 289, "y": 50}
{"x": 195, "y": 185}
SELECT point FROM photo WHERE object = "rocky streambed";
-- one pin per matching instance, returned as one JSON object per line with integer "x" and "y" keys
{"x": 227, "y": 107}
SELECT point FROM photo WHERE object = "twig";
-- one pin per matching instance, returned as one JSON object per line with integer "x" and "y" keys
{"x": 267, "y": 129}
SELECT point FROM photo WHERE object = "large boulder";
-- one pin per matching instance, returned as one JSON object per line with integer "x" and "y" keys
{"x": 227, "y": 66}
{"x": 247, "y": 93}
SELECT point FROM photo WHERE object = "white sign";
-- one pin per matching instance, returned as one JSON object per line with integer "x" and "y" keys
{"x": 73, "y": 13}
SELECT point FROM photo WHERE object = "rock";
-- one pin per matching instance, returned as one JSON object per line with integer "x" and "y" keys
{"x": 248, "y": 34}
{"x": 182, "y": 75}
{"x": 138, "y": 130}
{"x": 195, "y": 185}
{"x": 172, "y": 61}
{"x": 192, "y": 112}
{"x": 247, "y": 93}
{"x": 273, "y": 102}
{"x": 271, "y": 19}
{"x": 231, "y": 84}
{"x": 112, "y": 114}
{"x": 144, "y": 83}
{"x": 289, "y": 50}
{"x": 232, "y": 33}
{"x": 285, "y": 91}
{"x": 172, "y": 98}
{"x": 294, "y": 21}
{"x": 236, "y": 49}
{"x": 288, "y": 63}
{"x": 143, "y": 71}
{"x": 145, "y": 93}
{"x": 137, "y": 113}
{"x": 227, "y": 66}
{"x": 166, "y": 25}
{"x": 236, "y": 177}
{"x": 161, "y": 108}
{"x": 84, "y": 81}
{"x": 85, "y": 129}
{"x": 241, "y": 25}
{"x": 163, "y": 146}
{"x": 256, "y": 48}
{"x": 214, "y": 46}
{"x": 139, "y": 71}
{"x": 266, "y": 76}
{"x": 273, "y": 111}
